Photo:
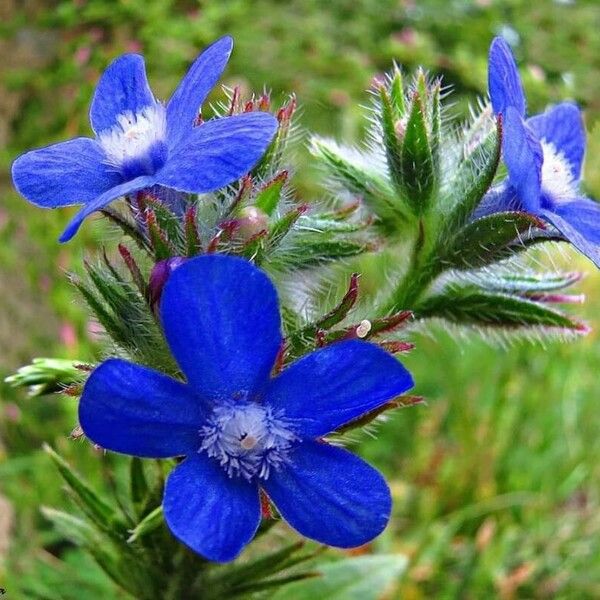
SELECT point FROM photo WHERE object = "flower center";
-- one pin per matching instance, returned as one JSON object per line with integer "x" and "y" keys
{"x": 136, "y": 144}
{"x": 557, "y": 177}
{"x": 248, "y": 440}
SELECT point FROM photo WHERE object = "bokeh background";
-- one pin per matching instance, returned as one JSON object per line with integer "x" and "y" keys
{"x": 496, "y": 479}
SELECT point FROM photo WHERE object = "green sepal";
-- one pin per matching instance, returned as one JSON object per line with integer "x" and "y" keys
{"x": 474, "y": 177}
{"x": 417, "y": 173}
{"x": 397, "y": 93}
{"x": 134, "y": 270}
{"x": 161, "y": 246}
{"x": 282, "y": 227}
{"x": 367, "y": 418}
{"x": 311, "y": 250}
{"x": 98, "y": 510}
{"x": 273, "y": 156}
{"x": 392, "y": 141}
{"x": 166, "y": 220}
{"x": 467, "y": 304}
{"x": 305, "y": 337}
{"x": 193, "y": 244}
{"x": 436, "y": 127}
{"x": 489, "y": 239}
{"x": 267, "y": 198}
{"x": 127, "y": 228}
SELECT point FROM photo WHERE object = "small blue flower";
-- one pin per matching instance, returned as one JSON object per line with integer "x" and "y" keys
{"x": 543, "y": 156}
{"x": 241, "y": 430}
{"x": 141, "y": 143}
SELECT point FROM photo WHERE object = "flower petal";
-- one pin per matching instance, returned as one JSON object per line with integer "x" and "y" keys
{"x": 562, "y": 126}
{"x": 331, "y": 496}
{"x": 211, "y": 513}
{"x": 523, "y": 156}
{"x": 336, "y": 385}
{"x": 134, "y": 410}
{"x": 221, "y": 319}
{"x": 218, "y": 152}
{"x": 71, "y": 172}
{"x": 504, "y": 83}
{"x": 579, "y": 222}
{"x": 122, "y": 87}
{"x": 139, "y": 183}
{"x": 189, "y": 96}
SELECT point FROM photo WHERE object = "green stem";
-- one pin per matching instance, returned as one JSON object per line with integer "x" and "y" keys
{"x": 423, "y": 269}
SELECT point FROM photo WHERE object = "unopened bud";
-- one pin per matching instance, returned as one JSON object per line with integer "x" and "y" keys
{"x": 251, "y": 222}
{"x": 158, "y": 277}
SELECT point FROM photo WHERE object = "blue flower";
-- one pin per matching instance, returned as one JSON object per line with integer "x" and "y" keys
{"x": 141, "y": 143}
{"x": 240, "y": 429}
{"x": 543, "y": 156}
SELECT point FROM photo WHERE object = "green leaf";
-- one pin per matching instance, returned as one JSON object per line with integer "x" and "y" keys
{"x": 138, "y": 484}
{"x": 530, "y": 282}
{"x": 73, "y": 528}
{"x": 417, "y": 173}
{"x": 320, "y": 224}
{"x": 351, "y": 170}
{"x": 472, "y": 305}
{"x": 363, "y": 578}
{"x": 98, "y": 510}
{"x": 259, "y": 568}
{"x": 489, "y": 239}
{"x": 122, "y": 569}
{"x": 148, "y": 524}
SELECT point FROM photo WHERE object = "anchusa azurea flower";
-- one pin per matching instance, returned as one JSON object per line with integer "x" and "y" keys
{"x": 141, "y": 143}
{"x": 544, "y": 156}
{"x": 241, "y": 429}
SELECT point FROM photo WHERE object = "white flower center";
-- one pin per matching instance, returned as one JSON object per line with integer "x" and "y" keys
{"x": 247, "y": 440}
{"x": 557, "y": 179}
{"x": 135, "y": 136}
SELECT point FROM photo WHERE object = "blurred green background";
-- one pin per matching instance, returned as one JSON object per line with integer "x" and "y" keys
{"x": 497, "y": 478}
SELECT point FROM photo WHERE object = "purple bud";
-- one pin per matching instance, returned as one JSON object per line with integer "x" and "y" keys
{"x": 158, "y": 277}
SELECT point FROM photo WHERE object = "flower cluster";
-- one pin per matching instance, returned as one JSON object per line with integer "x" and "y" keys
{"x": 240, "y": 429}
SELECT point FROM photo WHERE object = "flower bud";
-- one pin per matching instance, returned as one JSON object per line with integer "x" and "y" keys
{"x": 158, "y": 277}
{"x": 251, "y": 222}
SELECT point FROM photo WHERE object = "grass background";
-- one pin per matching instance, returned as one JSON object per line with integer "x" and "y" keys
{"x": 496, "y": 479}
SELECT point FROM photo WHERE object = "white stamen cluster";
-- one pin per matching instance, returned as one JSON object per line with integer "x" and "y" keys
{"x": 134, "y": 135}
{"x": 247, "y": 440}
{"x": 557, "y": 178}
